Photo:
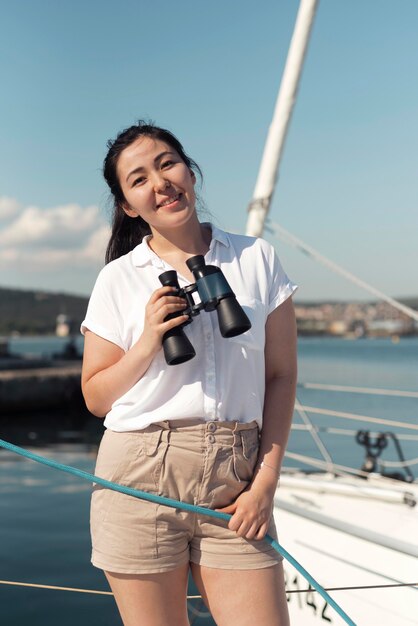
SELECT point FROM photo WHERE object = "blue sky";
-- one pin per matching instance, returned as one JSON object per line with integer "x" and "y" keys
{"x": 74, "y": 74}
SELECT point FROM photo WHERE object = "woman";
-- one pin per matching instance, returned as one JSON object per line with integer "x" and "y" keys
{"x": 211, "y": 431}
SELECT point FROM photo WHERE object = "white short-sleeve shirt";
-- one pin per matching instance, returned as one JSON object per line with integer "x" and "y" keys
{"x": 226, "y": 378}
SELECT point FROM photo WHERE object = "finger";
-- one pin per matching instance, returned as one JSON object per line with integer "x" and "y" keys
{"x": 261, "y": 533}
{"x": 252, "y": 532}
{"x": 231, "y": 508}
{"x": 158, "y": 293}
{"x": 242, "y": 529}
{"x": 166, "y": 308}
{"x": 156, "y": 314}
{"x": 167, "y": 299}
{"x": 173, "y": 309}
{"x": 238, "y": 524}
{"x": 175, "y": 321}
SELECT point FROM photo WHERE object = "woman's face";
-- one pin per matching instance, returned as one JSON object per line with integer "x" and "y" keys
{"x": 156, "y": 183}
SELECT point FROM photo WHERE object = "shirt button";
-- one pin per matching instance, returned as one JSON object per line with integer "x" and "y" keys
{"x": 211, "y": 439}
{"x": 211, "y": 427}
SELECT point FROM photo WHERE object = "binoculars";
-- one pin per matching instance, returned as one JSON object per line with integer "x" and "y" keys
{"x": 215, "y": 294}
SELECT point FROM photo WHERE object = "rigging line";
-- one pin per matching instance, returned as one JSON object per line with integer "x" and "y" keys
{"x": 315, "y": 436}
{"x": 400, "y": 453}
{"x": 348, "y": 432}
{"x": 412, "y": 585}
{"x": 366, "y": 390}
{"x": 355, "y": 416}
{"x": 336, "y": 469}
{"x": 55, "y": 588}
{"x": 341, "y": 470}
{"x": 298, "y": 243}
{"x": 109, "y": 593}
{"x": 150, "y": 497}
{"x": 398, "y": 463}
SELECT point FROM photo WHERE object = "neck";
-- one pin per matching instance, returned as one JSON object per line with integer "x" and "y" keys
{"x": 189, "y": 239}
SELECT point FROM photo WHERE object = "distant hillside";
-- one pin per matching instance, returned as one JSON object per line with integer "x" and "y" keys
{"x": 35, "y": 312}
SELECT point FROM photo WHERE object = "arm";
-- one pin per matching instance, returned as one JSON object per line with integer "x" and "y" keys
{"x": 108, "y": 372}
{"x": 251, "y": 511}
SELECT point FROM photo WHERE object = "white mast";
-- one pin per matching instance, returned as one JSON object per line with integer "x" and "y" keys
{"x": 273, "y": 149}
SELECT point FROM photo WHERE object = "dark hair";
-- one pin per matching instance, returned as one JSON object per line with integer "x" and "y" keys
{"x": 128, "y": 232}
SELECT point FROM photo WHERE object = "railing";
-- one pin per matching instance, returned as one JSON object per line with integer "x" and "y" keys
{"x": 327, "y": 463}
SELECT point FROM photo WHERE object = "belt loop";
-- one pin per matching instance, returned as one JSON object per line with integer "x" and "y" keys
{"x": 236, "y": 438}
{"x": 151, "y": 440}
{"x": 165, "y": 435}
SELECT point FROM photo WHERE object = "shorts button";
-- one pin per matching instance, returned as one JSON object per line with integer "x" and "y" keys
{"x": 211, "y": 439}
{"x": 212, "y": 427}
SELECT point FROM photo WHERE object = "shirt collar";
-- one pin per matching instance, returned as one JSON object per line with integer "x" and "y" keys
{"x": 143, "y": 255}
{"x": 218, "y": 235}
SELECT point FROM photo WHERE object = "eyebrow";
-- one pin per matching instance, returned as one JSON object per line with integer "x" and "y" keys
{"x": 141, "y": 168}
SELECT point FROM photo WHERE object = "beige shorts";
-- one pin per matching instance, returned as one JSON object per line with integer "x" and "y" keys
{"x": 203, "y": 463}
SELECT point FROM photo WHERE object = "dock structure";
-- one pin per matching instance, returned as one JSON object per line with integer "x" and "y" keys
{"x": 43, "y": 387}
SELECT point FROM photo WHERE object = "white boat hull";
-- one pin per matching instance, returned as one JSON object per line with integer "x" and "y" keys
{"x": 337, "y": 558}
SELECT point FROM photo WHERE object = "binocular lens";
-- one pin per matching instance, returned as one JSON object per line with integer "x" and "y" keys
{"x": 231, "y": 318}
{"x": 177, "y": 347}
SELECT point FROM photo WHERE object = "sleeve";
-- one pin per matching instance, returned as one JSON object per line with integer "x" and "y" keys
{"x": 102, "y": 316}
{"x": 280, "y": 285}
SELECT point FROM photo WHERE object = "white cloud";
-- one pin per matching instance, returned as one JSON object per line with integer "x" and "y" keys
{"x": 54, "y": 237}
{"x": 8, "y": 207}
{"x": 96, "y": 246}
{"x": 34, "y": 224}
{"x": 9, "y": 255}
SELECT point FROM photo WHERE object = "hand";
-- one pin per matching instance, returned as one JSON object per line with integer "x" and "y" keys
{"x": 251, "y": 512}
{"x": 162, "y": 303}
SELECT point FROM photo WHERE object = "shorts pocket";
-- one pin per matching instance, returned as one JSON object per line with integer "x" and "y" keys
{"x": 246, "y": 455}
{"x": 123, "y": 527}
{"x": 131, "y": 459}
{"x": 149, "y": 458}
{"x": 112, "y": 455}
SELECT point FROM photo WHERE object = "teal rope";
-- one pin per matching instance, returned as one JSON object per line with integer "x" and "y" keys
{"x": 179, "y": 505}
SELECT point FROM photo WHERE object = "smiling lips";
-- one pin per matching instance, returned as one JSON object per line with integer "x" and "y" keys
{"x": 169, "y": 200}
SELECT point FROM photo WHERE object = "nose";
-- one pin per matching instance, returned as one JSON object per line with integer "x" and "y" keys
{"x": 160, "y": 183}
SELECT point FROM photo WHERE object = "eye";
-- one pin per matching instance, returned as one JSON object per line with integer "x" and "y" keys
{"x": 138, "y": 181}
{"x": 167, "y": 163}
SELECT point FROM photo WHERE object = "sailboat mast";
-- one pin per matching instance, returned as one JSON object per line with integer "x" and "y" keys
{"x": 268, "y": 173}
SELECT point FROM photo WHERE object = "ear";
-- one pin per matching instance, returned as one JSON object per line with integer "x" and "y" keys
{"x": 193, "y": 176}
{"x": 128, "y": 210}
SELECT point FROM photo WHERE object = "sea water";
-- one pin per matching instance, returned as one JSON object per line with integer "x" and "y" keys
{"x": 44, "y": 534}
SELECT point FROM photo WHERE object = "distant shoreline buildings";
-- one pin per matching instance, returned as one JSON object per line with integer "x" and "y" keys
{"x": 29, "y": 313}
{"x": 353, "y": 319}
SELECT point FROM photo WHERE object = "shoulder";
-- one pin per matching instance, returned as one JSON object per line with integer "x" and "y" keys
{"x": 254, "y": 249}
{"x": 112, "y": 277}
{"x": 117, "y": 267}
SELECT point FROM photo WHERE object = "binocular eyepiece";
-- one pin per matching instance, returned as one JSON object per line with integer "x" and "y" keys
{"x": 215, "y": 294}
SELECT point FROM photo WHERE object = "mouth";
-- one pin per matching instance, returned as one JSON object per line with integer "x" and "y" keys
{"x": 170, "y": 201}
